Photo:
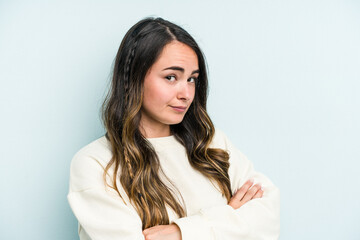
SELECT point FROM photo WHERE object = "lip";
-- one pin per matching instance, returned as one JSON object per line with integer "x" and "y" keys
{"x": 179, "y": 108}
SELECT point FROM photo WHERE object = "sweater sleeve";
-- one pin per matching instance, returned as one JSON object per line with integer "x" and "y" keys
{"x": 257, "y": 219}
{"x": 100, "y": 211}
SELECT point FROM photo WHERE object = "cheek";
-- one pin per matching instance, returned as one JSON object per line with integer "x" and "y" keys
{"x": 156, "y": 96}
{"x": 192, "y": 93}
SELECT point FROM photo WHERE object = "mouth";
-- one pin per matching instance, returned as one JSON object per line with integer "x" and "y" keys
{"x": 178, "y": 108}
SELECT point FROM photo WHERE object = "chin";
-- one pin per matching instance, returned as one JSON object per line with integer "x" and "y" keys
{"x": 175, "y": 121}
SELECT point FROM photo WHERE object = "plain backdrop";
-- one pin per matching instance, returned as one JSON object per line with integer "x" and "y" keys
{"x": 284, "y": 86}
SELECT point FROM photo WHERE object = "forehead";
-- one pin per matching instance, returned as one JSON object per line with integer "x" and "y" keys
{"x": 177, "y": 54}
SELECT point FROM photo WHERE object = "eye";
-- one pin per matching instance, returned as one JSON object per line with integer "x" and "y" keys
{"x": 171, "y": 78}
{"x": 193, "y": 79}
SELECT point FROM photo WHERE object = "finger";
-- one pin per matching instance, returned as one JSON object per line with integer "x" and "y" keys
{"x": 150, "y": 229}
{"x": 242, "y": 191}
{"x": 259, "y": 193}
{"x": 239, "y": 194}
{"x": 249, "y": 194}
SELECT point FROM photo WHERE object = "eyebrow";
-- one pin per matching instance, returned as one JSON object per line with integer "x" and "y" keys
{"x": 180, "y": 69}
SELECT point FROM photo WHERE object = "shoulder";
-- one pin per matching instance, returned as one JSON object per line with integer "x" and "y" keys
{"x": 220, "y": 140}
{"x": 99, "y": 149}
{"x": 88, "y": 164}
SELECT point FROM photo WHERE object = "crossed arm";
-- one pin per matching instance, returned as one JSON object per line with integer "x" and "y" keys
{"x": 252, "y": 212}
{"x": 247, "y": 192}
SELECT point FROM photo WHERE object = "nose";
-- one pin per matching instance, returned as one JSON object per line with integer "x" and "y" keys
{"x": 184, "y": 91}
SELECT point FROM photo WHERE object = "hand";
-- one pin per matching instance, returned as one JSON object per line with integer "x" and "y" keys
{"x": 163, "y": 232}
{"x": 244, "y": 194}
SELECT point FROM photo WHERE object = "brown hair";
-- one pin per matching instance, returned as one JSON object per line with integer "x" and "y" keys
{"x": 134, "y": 158}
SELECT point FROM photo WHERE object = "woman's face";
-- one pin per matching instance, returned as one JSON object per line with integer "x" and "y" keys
{"x": 169, "y": 88}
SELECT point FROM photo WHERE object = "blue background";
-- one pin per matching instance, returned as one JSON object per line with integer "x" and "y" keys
{"x": 284, "y": 87}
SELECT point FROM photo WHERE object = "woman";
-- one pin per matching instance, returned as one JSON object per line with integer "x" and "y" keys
{"x": 162, "y": 171}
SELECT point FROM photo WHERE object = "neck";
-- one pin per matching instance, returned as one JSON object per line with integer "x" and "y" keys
{"x": 155, "y": 132}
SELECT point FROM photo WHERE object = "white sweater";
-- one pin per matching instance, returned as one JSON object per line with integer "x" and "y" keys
{"x": 103, "y": 215}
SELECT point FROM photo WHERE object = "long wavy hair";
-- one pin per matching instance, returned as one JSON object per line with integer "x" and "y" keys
{"x": 134, "y": 158}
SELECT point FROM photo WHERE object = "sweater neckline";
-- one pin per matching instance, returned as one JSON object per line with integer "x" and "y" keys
{"x": 167, "y": 139}
{"x": 160, "y": 138}
{"x": 156, "y": 140}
